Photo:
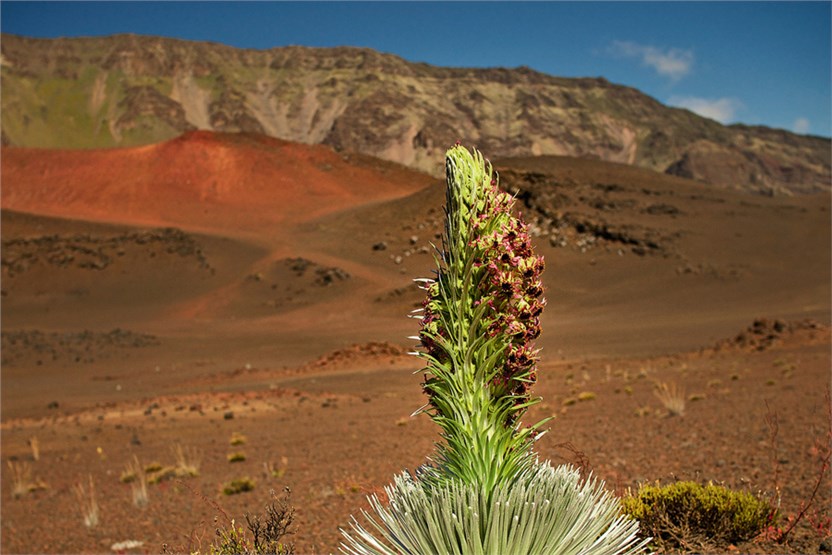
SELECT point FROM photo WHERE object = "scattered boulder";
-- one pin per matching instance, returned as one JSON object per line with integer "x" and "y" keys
{"x": 764, "y": 333}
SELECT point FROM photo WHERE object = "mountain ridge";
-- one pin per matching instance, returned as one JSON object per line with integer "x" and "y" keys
{"x": 125, "y": 90}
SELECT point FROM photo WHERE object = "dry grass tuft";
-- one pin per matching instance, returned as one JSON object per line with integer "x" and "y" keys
{"x": 87, "y": 503}
{"x": 276, "y": 470}
{"x": 138, "y": 483}
{"x": 21, "y": 479}
{"x": 188, "y": 460}
{"x": 672, "y": 397}
{"x": 35, "y": 446}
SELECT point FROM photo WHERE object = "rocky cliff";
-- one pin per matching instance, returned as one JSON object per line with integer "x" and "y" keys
{"x": 130, "y": 90}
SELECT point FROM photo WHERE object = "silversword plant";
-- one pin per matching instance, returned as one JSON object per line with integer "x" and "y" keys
{"x": 485, "y": 491}
{"x": 481, "y": 315}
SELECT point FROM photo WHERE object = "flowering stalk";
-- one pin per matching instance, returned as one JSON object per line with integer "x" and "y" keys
{"x": 486, "y": 493}
{"x": 481, "y": 314}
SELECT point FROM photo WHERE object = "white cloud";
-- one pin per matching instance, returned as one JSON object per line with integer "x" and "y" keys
{"x": 801, "y": 125}
{"x": 722, "y": 110}
{"x": 670, "y": 62}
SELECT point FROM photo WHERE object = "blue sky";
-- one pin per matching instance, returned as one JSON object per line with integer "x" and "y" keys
{"x": 760, "y": 63}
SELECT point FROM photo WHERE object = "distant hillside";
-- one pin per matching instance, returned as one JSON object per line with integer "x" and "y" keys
{"x": 131, "y": 90}
{"x": 201, "y": 179}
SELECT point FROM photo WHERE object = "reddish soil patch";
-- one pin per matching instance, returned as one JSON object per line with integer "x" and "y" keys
{"x": 201, "y": 179}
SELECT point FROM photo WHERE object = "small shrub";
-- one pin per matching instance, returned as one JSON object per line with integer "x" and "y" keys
{"x": 237, "y": 439}
{"x": 263, "y": 535}
{"x": 150, "y": 468}
{"x": 586, "y": 396}
{"x": 691, "y": 516}
{"x": 347, "y": 485}
{"x": 642, "y": 411}
{"x": 231, "y": 540}
{"x": 269, "y": 530}
{"x": 238, "y": 486}
{"x": 274, "y": 470}
{"x": 236, "y": 457}
{"x": 186, "y": 466}
{"x": 164, "y": 473}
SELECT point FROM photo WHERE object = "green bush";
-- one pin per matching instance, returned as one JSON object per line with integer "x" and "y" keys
{"x": 238, "y": 486}
{"x": 691, "y": 516}
{"x": 161, "y": 474}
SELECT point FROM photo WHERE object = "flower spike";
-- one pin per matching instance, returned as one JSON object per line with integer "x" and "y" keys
{"x": 480, "y": 316}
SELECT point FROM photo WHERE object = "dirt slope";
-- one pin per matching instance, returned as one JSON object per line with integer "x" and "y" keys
{"x": 201, "y": 179}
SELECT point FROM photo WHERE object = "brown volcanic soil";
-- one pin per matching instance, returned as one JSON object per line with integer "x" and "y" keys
{"x": 277, "y": 312}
